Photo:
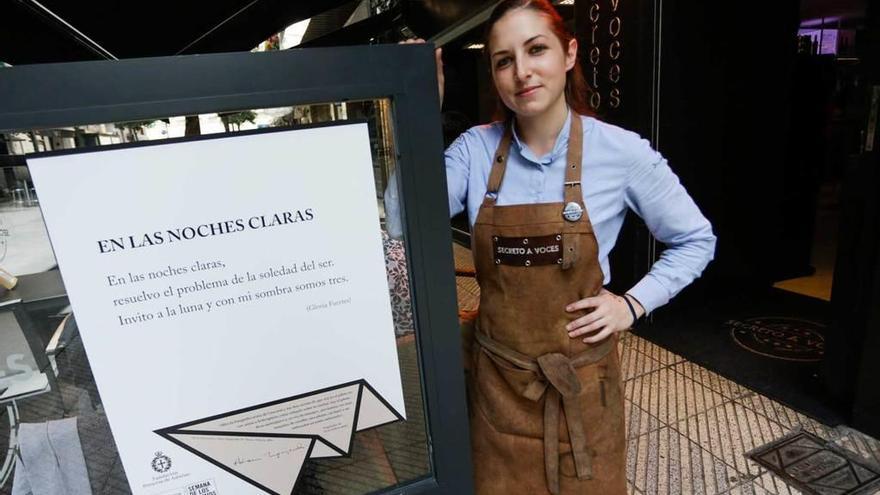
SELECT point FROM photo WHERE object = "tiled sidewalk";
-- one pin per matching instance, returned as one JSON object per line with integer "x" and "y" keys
{"x": 689, "y": 428}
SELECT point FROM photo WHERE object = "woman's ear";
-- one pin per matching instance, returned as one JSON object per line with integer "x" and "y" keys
{"x": 571, "y": 54}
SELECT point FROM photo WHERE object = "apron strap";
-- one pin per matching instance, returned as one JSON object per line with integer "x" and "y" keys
{"x": 573, "y": 193}
{"x": 499, "y": 165}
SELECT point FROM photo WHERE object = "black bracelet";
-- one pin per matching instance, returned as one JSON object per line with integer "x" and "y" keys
{"x": 631, "y": 310}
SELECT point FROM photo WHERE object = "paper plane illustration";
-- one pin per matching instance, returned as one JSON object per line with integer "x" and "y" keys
{"x": 267, "y": 444}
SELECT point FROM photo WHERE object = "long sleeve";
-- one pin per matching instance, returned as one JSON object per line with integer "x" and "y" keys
{"x": 655, "y": 193}
{"x": 393, "y": 220}
{"x": 456, "y": 159}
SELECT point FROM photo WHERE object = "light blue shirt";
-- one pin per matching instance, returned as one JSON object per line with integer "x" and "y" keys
{"x": 620, "y": 170}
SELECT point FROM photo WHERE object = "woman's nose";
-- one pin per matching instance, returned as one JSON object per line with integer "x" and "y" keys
{"x": 523, "y": 69}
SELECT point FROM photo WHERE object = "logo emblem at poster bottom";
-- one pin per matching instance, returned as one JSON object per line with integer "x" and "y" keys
{"x": 161, "y": 463}
{"x": 572, "y": 212}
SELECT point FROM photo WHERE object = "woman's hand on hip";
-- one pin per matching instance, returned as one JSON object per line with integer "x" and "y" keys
{"x": 610, "y": 314}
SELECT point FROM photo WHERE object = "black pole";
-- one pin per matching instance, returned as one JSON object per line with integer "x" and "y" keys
{"x": 54, "y": 20}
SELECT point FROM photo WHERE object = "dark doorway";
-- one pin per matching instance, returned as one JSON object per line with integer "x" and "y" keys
{"x": 764, "y": 114}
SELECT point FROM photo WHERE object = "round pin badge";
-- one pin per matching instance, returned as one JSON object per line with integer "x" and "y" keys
{"x": 572, "y": 212}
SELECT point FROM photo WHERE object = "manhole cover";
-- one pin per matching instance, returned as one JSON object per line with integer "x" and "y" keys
{"x": 815, "y": 466}
{"x": 792, "y": 339}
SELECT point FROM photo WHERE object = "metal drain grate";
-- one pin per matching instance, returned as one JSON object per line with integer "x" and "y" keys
{"x": 815, "y": 466}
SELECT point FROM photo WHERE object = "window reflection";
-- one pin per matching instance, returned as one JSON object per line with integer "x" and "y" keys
{"x": 391, "y": 455}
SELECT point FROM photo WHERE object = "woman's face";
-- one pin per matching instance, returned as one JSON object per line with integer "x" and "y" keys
{"x": 528, "y": 62}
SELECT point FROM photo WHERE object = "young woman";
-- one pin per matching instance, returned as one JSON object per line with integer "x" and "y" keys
{"x": 546, "y": 190}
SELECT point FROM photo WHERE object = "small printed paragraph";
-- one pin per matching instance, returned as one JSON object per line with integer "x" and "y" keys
{"x": 208, "y": 286}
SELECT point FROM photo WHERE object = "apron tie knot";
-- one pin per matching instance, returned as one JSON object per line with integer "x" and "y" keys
{"x": 566, "y": 387}
{"x": 556, "y": 380}
{"x": 560, "y": 373}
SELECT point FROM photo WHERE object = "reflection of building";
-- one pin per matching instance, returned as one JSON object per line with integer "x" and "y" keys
{"x": 59, "y": 139}
{"x": 15, "y": 184}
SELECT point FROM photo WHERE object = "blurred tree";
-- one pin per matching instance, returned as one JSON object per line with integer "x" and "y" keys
{"x": 193, "y": 128}
{"x": 236, "y": 119}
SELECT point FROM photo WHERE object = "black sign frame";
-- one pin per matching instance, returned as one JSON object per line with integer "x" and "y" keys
{"x": 72, "y": 94}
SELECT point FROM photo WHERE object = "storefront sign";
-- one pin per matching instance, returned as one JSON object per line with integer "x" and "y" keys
{"x": 232, "y": 298}
{"x": 604, "y": 49}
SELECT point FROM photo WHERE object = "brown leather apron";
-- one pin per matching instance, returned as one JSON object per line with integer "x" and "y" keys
{"x": 546, "y": 409}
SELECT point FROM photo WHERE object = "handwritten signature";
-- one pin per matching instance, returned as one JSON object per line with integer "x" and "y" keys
{"x": 270, "y": 454}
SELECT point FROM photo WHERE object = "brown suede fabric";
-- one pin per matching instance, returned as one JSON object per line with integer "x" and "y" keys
{"x": 527, "y": 376}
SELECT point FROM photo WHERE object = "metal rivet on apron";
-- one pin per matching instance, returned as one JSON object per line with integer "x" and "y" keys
{"x": 573, "y": 165}
{"x": 497, "y": 262}
{"x": 499, "y": 159}
{"x": 572, "y": 212}
{"x": 528, "y": 263}
{"x": 558, "y": 237}
{"x": 526, "y": 240}
{"x": 495, "y": 238}
{"x": 559, "y": 261}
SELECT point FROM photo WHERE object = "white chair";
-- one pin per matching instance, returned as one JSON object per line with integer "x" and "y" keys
{"x": 25, "y": 371}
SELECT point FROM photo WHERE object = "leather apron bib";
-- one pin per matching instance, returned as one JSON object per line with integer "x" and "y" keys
{"x": 546, "y": 409}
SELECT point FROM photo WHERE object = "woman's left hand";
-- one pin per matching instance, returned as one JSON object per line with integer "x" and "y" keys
{"x": 610, "y": 314}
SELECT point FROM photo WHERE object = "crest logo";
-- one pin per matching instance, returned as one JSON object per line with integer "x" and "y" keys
{"x": 161, "y": 463}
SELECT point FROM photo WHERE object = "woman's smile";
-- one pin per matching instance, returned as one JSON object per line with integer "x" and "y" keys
{"x": 528, "y": 91}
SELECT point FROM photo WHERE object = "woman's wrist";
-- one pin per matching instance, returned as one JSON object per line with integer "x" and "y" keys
{"x": 632, "y": 311}
{"x": 640, "y": 310}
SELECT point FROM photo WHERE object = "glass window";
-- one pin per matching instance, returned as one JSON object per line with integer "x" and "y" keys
{"x": 382, "y": 457}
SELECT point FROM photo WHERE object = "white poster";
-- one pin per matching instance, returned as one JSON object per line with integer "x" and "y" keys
{"x": 232, "y": 298}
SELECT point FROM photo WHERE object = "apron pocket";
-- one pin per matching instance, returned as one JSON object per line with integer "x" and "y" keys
{"x": 499, "y": 388}
{"x": 603, "y": 415}
{"x": 518, "y": 379}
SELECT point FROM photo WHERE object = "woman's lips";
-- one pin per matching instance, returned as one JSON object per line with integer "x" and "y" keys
{"x": 527, "y": 91}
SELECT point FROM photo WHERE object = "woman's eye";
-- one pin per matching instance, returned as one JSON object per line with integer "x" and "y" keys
{"x": 537, "y": 49}
{"x": 502, "y": 62}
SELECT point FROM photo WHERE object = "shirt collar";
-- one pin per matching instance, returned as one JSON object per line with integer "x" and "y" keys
{"x": 559, "y": 147}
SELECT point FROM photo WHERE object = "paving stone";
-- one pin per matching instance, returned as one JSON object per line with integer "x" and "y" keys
{"x": 712, "y": 380}
{"x": 666, "y": 462}
{"x": 653, "y": 351}
{"x": 633, "y": 363}
{"x": 670, "y": 396}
